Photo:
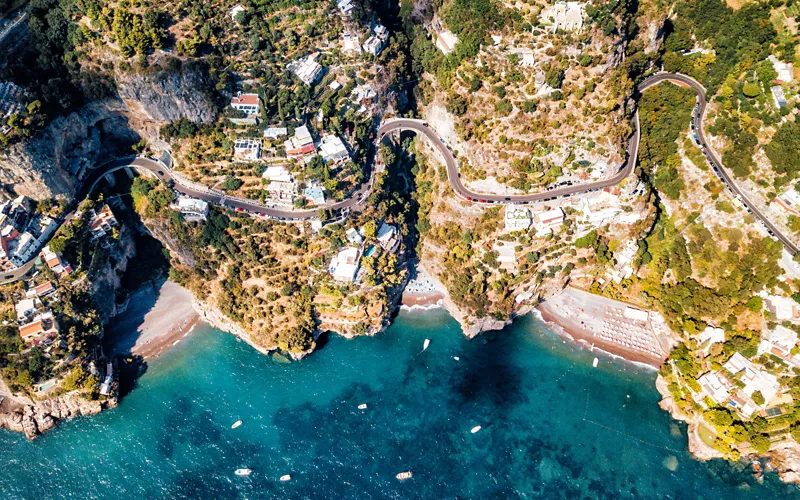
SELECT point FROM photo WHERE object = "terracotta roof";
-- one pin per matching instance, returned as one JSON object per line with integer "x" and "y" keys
{"x": 44, "y": 288}
{"x": 32, "y": 328}
{"x": 250, "y": 99}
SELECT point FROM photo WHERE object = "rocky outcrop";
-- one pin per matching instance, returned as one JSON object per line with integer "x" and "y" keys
{"x": 217, "y": 319}
{"x": 697, "y": 447}
{"x": 170, "y": 94}
{"x": 106, "y": 279}
{"x": 49, "y": 164}
{"x": 785, "y": 458}
{"x": 655, "y": 35}
{"x": 42, "y": 416}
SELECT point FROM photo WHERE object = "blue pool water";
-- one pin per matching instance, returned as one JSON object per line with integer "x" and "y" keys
{"x": 552, "y": 426}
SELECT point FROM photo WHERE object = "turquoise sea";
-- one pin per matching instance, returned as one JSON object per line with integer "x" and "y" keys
{"x": 552, "y": 426}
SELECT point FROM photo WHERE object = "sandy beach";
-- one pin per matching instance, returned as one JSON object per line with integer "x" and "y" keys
{"x": 421, "y": 293}
{"x": 156, "y": 320}
{"x": 563, "y": 322}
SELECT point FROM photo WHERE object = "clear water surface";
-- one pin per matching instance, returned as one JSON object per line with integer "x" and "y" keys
{"x": 552, "y": 426}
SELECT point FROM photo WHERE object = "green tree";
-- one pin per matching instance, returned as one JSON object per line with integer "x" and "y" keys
{"x": 751, "y": 90}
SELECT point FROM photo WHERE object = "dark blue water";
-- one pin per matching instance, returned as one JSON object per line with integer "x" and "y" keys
{"x": 553, "y": 426}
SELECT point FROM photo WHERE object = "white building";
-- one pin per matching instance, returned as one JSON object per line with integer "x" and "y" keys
{"x": 373, "y": 45}
{"x": 353, "y": 236}
{"x": 282, "y": 190}
{"x": 275, "y": 132}
{"x": 636, "y": 314}
{"x": 779, "y": 342}
{"x": 350, "y": 44}
{"x": 517, "y": 218}
{"x": 191, "y": 208}
{"x": 754, "y": 378}
{"x": 277, "y": 173}
{"x": 345, "y": 7}
{"x": 564, "y": 16}
{"x": 446, "y": 41}
{"x": 506, "y": 255}
{"x": 333, "y": 149}
{"x": 25, "y": 309}
{"x": 247, "y": 149}
{"x": 545, "y": 222}
{"x": 526, "y": 57}
{"x": 387, "y": 236}
{"x": 715, "y": 386}
{"x": 789, "y": 201}
{"x": 344, "y": 267}
{"x": 785, "y": 70}
{"x": 300, "y": 144}
{"x": 306, "y": 69}
{"x": 782, "y": 307}
{"x": 235, "y": 11}
{"x": 246, "y": 103}
{"x": 778, "y": 96}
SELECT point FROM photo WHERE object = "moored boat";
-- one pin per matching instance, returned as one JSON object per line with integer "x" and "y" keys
{"x": 243, "y": 472}
{"x": 236, "y": 424}
{"x": 475, "y": 429}
{"x": 286, "y": 477}
{"x": 403, "y": 476}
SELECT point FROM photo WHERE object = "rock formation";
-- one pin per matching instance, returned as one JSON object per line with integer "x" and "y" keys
{"x": 170, "y": 94}
{"x": 44, "y": 415}
{"x": 50, "y": 163}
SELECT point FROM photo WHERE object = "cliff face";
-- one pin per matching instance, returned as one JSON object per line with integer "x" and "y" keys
{"x": 105, "y": 281}
{"x": 34, "y": 419}
{"x": 48, "y": 165}
{"x": 168, "y": 95}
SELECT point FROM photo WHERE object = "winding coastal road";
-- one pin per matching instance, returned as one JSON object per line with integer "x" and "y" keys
{"x": 163, "y": 173}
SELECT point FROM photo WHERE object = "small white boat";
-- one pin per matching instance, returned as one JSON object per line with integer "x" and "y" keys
{"x": 594, "y": 363}
{"x": 403, "y": 476}
{"x": 236, "y": 424}
{"x": 456, "y": 358}
{"x": 286, "y": 477}
{"x": 243, "y": 472}
{"x": 362, "y": 406}
{"x": 426, "y": 344}
{"x": 475, "y": 429}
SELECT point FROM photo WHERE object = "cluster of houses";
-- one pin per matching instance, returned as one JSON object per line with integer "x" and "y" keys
{"x": 745, "y": 386}
{"x": 737, "y": 383}
{"x": 37, "y": 325}
{"x": 11, "y": 101}
{"x": 102, "y": 223}
{"x": 22, "y": 232}
{"x": 307, "y": 69}
{"x": 374, "y": 44}
{"x": 519, "y": 218}
{"x": 566, "y": 16}
{"x": 344, "y": 266}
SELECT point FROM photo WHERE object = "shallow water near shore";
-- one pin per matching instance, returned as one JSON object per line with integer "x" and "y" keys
{"x": 552, "y": 426}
